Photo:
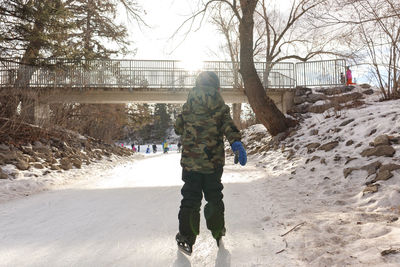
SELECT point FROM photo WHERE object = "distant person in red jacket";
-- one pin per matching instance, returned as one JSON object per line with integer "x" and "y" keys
{"x": 349, "y": 77}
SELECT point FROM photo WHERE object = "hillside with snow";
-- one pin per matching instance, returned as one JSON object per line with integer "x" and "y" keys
{"x": 326, "y": 195}
{"x": 337, "y": 179}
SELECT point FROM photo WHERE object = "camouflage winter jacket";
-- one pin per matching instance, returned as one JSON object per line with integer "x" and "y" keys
{"x": 204, "y": 121}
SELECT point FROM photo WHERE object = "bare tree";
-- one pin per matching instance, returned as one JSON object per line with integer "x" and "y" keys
{"x": 293, "y": 34}
{"x": 263, "y": 106}
{"x": 372, "y": 30}
{"x": 381, "y": 38}
{"x": 280, "y": 34}
{"x": 224, "y": 20}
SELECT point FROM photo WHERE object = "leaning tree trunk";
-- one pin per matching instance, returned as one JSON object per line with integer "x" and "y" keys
{"x": 263, "y": 106}
{"x": 237, "y": 110}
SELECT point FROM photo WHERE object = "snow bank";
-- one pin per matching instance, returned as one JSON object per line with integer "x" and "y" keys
{"x": 340, "y": 223}
{"x": 34, "y": 180}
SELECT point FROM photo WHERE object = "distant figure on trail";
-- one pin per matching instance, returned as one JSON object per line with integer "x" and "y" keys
{"x": 133, "y": 147}
{"x": 342, "y": 78}
{"x": 138, "y": 148}
{"x": 179, "y": 147}
{"x": 154, "y": 148}
{"x": 349, "y": 77}
{"x": 203, "y": 123}
{"x": 165, "y": 147}
{"x": 148, "y": 149}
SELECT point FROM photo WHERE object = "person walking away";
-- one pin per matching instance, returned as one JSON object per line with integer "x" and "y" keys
{"x": 148, "y": 149}
{"x": 179, "y": 147}
{"x": 203, "y": 123}
{"x": 342, "y": 78}
{"x": 165, "y": 147}
{"x": 349, "y": 77}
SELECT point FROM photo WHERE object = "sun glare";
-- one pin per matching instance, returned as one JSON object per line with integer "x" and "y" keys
{"x": 192, "y": 64}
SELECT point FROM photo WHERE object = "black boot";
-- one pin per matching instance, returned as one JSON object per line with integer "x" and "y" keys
{"x": 219, "y": 236}
{"x": 183, "y": 244}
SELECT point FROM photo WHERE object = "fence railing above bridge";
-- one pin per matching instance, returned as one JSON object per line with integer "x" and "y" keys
{"x": 167, "y": 74}
{"x": 323, "y": 72}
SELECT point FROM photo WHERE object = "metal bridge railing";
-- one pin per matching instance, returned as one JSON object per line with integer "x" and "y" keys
{"x": 320, "y": 73}
{"x": 168, "y": 74}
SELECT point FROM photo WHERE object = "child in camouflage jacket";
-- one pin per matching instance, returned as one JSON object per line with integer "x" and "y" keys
{"x": 203, "y": 123}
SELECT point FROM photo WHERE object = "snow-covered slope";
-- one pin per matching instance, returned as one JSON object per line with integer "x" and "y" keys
{"x": 341, "y": 218}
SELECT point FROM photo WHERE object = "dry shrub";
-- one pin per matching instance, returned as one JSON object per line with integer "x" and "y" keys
{"x": 18, "y": 132}
{"x": 17, "y": 107}
{"x": 102, "y": 121}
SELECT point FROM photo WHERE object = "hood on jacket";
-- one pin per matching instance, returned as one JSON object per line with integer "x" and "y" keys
{"x": 207, "y": 78}
{"x": 204, "y": 99}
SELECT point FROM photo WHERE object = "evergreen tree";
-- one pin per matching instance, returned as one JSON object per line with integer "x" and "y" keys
{"x": 32, "y": 29}
{"x": 161, "y": 121}
{"x": 96, "y": 27}
{"x": 139, "y": 115}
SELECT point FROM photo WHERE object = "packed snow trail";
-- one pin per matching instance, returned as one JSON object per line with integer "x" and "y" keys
{"x": 127, "y": 216}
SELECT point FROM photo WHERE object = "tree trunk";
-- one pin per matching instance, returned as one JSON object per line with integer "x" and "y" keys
{"x": 26, "y": 70}
{"x": 237, "y": 110}
{"x": 263, "y": 106}
{"x": 24, "y": 74}
{"x": 236, "y": 107}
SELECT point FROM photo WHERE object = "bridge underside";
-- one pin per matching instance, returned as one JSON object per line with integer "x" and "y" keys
{"x": 283, "y": 99}
{"x": 45, "y": 96}
{"x": 122, "y": 96}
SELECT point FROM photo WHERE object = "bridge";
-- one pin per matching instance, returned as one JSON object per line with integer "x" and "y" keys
{"x": 156, "y": 81}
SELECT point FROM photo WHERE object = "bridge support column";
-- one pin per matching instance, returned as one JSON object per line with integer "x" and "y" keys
{"x": 32, "y": 110}
{"x": 27, "y": 108}
{"x": 287, "y": 101}
{"x": 42, "y": 113}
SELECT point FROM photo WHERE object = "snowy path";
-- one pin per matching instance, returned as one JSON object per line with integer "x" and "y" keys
{"x": 128, "y": 217}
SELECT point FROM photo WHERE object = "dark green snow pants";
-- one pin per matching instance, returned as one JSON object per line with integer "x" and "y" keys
{"x": 192, "y": 191}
